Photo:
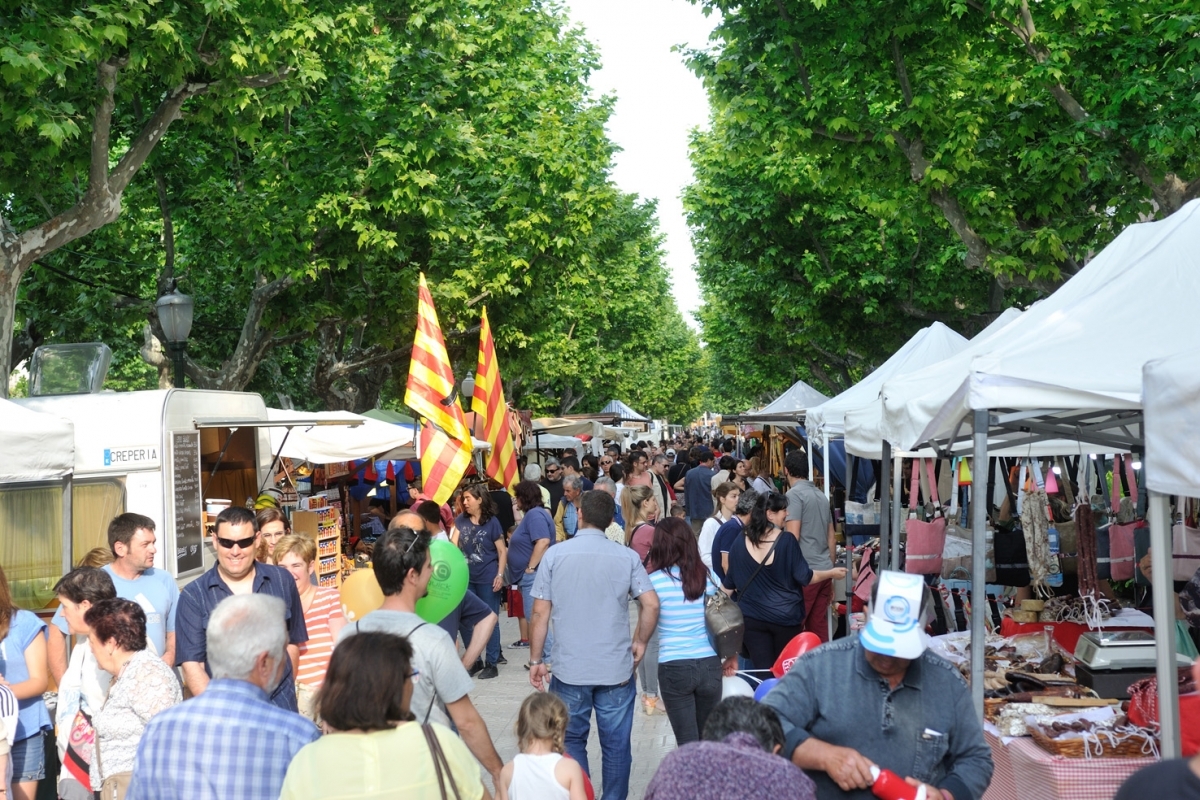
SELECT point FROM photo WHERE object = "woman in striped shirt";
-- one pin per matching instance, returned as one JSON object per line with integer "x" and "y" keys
{"x": 689, "y": 672}
{"x": 297, "y": 554}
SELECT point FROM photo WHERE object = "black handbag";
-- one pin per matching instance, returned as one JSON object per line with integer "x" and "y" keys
{"x": 1012, "y": 557}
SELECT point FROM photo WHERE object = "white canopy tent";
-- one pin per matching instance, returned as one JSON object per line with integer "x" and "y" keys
{"x": 927, "y": 346}
{"x": 1131, "y": 304}
{"x": 552, "y": 441}
{"x": 34, "y": 446}
{"x": 789, "y": 407}
{"x": 331, "y": 442}
{"x": 863, "y": 426}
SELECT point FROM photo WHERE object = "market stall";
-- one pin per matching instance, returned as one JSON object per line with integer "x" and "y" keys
{"x": 1016, "y": 396}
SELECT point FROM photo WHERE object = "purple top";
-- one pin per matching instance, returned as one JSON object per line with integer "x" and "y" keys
{"x": 735, "y": 769}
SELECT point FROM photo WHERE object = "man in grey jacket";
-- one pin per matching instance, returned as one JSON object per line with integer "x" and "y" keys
{"x": 881, "y": 699}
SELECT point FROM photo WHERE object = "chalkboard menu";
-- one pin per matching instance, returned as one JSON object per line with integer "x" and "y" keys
{"x": 185, "y": 478}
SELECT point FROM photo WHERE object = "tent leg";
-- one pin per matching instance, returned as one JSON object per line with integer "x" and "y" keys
{"x": 897, "y": 508}
{"x": 885, "y": 505}
{"x": 978, "y": 570}
{"x": 68, "y": 524}
{"x": 851, "y": 463}
{"x": 808, "y": 447}
{"x": 827, "y": 476}
{"x": 1164, "y": 625}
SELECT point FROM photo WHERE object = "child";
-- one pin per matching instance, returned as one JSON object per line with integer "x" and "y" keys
{"x": 678, "y": 510}
{"x": 539, "y": 772}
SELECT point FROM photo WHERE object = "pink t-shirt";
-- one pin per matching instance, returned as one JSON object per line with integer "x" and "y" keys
{"x": 315, "y": 653}
{"x": 639, "y": 480}
{"x": 643, "y": 536}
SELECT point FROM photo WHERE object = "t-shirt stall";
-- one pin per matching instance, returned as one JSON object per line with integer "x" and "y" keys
{"x": 1006, "y": 394}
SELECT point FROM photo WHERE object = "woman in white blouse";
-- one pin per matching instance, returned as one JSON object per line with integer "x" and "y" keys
{"x": 142, "y": 686}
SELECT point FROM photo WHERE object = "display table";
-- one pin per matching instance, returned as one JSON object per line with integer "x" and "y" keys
{"x": 1067, "y": 633}
{"x": 1024, "y": 770}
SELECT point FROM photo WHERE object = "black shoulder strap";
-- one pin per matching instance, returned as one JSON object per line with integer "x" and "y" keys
{"x": 763, "y": 563}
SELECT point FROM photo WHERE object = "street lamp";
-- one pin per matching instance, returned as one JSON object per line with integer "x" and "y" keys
{"x": 468, "y": 390}
{"x": 175, "y": 316}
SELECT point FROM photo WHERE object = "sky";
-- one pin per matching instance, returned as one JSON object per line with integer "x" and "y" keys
{"x": 659, "y": 101}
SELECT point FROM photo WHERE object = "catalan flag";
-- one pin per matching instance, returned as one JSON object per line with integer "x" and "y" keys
{"x": 488, "y": 403}
{"x": 445, "y": 440}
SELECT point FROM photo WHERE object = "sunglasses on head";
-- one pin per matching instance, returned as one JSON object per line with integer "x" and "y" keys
{"x": 229, "y": 544}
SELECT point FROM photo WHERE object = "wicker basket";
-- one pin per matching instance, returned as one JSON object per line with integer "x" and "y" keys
{"x": 1133, "y": 747}
{"x": 992, "y": 706}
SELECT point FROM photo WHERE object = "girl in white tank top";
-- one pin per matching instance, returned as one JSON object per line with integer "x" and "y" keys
{"x": 540, "y": 772}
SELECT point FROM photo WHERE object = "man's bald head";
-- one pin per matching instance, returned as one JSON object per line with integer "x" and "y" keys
{"x": 408, "y": 519}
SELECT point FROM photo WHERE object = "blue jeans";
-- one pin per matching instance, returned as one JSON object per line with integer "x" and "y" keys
{"x": 526, "y": 586}
{"x": 614, "y": 722}
{"x": 483, "y": 591}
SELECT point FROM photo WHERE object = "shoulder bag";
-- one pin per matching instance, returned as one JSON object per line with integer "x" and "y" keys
{"x": 926, "y": 540}
{"x": 441, "y": 764}
{"x": 724, "y": 620}
{"x": 862, "y": 519}
{"x": 1121, "y": 534}
{"x": 1012, "y": 560}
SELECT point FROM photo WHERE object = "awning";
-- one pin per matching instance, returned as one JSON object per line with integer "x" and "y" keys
{"x": 324, "y": 437}
{"x": 34, "y": 446}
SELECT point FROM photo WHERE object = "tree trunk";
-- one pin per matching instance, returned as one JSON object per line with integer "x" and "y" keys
{"x": 9, "y": 279}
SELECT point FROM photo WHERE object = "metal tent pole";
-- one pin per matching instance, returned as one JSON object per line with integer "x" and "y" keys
{"x": 885, "y": 504}
{"x": 1159, "y": 514}
{"x": 978, "y": 569}
{"x": 897, "y": 508}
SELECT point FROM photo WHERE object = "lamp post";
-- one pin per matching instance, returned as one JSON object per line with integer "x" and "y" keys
{"x": 175, "y": 316}
{"x": 468, "y": 390}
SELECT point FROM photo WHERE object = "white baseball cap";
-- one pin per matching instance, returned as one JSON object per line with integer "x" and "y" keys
{"x": 895, "y": 627}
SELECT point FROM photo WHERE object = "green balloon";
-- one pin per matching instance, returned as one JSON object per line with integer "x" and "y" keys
{"x": 448, "y": 584}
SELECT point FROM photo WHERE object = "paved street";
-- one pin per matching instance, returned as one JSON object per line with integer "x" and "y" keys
{"x": 498, "y": 700}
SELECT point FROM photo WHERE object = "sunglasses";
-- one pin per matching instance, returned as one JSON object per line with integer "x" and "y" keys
{"x": 229, "y": 544}
{"x": 552, "y": 472}
{"x": 414, "y": 675}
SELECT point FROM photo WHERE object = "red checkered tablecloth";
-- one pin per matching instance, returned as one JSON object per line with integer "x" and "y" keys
{"x": 1024, "y": 770}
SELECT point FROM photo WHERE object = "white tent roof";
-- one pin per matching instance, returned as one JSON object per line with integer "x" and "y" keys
{"x": 34, "y": 446}
{"x": 552, "y": 441}
{"x": 1075, "y": 359}
{"x": 863, "y": 426}
{"x": 623, "y": 411}
{"x": 1171, "y": 396}
{"x": 927, "y": 346}
{"x": 790, "y": 405}
{"x": 329, "y": 443}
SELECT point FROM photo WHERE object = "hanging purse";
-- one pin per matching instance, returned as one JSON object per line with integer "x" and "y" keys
{"x": 926, "y": 541}
{"x": 725, "y": 623}
{"x": 1120, "y": 531}
{"x": 1012, "y": 562}
{"x": 1100, "y": 511}
{"x": 866, "y": 577}
{"x": 1185, "y": 548}
{"x": 862, "y": 519}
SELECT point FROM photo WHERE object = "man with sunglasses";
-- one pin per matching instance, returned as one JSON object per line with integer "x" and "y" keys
{"x": 553, "y": 484}
{"x": 236, "y": 573}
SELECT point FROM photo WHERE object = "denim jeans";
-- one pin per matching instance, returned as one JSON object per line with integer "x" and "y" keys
{"x": 526, "y": 586}
{"x": 484, "y": 592}
{"x": 614, "y": 722}
{"x": 691, "y": 689}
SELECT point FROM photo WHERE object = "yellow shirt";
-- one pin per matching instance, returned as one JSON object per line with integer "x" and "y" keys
{"x": 395, "y": 763}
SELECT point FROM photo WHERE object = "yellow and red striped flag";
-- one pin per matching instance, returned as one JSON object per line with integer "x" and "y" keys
{"x": 445, "y": 440}
{"x": 488, "y": 403}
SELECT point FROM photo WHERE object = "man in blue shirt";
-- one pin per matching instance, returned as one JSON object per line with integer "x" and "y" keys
{"x": 236, "y": 573}
{"x": 132, "y": 541}
{"x": 697, "y": 490}
{"x": 584, "y": 585}
{"x": 230, "y": 743}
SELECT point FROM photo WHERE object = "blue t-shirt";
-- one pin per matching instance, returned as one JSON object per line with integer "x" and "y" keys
{"x": 478, "y": 544}
{"x": 24, "y": 628}
{"x": 727, "y": 534}
{"x": 682, "y": 631}
{"x": 155, "y": 591}
{"x": 538, "y": 524}
{"x": 466, "y": 614}
{"x": 775, "y": 595}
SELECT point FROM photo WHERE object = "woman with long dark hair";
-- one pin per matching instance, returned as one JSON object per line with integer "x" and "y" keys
{"x": 769, "y": 572}
{"x": 689, "y": 672}
{"x": 481, "y": 538}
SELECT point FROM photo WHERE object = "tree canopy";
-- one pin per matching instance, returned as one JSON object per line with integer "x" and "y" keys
{"x": 459, "y": 139}
{"x": 874, "y": 164}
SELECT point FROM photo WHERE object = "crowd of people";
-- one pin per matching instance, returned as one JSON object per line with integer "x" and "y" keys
{"x": 250, "y": 683}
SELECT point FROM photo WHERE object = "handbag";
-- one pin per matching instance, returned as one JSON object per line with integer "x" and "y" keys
{"x": 114, "y": 786}
{"x": 866, "y": 577}
{"x": 723, "y": 618}
{"x": 862, "y": 519}
{"x": 926, "y": 541}
{"x": 1185, "y": 549}
{"x": 440, "y": 764}
{"x": 1120, "y": 534}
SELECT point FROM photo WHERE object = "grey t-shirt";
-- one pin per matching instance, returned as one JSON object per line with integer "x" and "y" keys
{"x": 808, "y": 504}
{"x": 442, "y": 678}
